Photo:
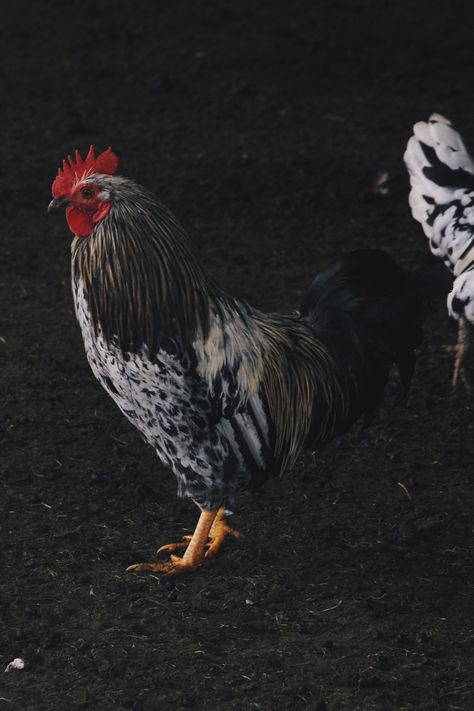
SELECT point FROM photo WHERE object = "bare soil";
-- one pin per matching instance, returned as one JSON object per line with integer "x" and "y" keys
{"x": 264, "y": 127}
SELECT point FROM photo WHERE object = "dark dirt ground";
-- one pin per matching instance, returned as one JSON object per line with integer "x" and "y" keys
{"x": 263, "y": 126}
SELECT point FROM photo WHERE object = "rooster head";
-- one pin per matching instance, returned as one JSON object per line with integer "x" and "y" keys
{"x": 78, "y": 187}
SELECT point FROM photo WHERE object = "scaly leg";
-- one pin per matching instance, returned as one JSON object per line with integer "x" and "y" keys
{"x": 220, "y": 529}
{"x": 210, "y": 532}
{"x": 461, "y": 351}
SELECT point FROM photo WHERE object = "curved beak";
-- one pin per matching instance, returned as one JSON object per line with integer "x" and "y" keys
{"x": 57, "y": 203}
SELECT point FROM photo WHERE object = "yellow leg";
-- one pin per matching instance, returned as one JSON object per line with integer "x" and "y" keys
{"x": 461, "y": 353}
{"x": 210, "y": 532}
{"x": 220, "y": 529}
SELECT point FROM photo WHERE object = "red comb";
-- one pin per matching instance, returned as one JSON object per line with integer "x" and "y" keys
{"x": 75, "y": 168}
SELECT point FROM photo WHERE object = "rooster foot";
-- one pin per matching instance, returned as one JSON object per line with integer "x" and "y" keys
{"x": 210, "y": 533}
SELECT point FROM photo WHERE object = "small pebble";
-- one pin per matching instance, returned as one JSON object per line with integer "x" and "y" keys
{"x": 17, "y": 663}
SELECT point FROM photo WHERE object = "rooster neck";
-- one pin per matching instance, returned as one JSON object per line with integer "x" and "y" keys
{"x": 142, "y": 282}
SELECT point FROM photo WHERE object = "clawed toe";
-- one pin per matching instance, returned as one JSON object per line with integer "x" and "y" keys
{"x": 175, "y": 566}
{"x": 180, "y": 546}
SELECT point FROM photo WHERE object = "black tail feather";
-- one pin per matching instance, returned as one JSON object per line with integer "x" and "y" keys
{"x": 369, "y": 313}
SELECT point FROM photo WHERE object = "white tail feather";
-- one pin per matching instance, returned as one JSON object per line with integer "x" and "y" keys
{"x": 442, "y": 200}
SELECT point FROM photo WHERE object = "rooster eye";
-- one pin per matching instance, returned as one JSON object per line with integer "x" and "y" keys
{"x": 87, "y": 192}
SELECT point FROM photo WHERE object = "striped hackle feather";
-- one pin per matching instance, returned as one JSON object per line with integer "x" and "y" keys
{"x": 142, "y": 283}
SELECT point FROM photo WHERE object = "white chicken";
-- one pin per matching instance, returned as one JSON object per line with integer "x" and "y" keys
{"x": 442, "y": 199}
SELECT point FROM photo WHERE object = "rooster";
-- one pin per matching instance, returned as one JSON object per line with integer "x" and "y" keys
{"x": 442, "y": 199}
{"x": 227, "y": 395}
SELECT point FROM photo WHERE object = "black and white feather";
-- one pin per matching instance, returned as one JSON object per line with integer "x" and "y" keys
{"x": 442, "y": 200}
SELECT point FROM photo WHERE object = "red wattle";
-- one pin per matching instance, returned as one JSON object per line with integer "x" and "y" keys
{"x": 80, "y": 223}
